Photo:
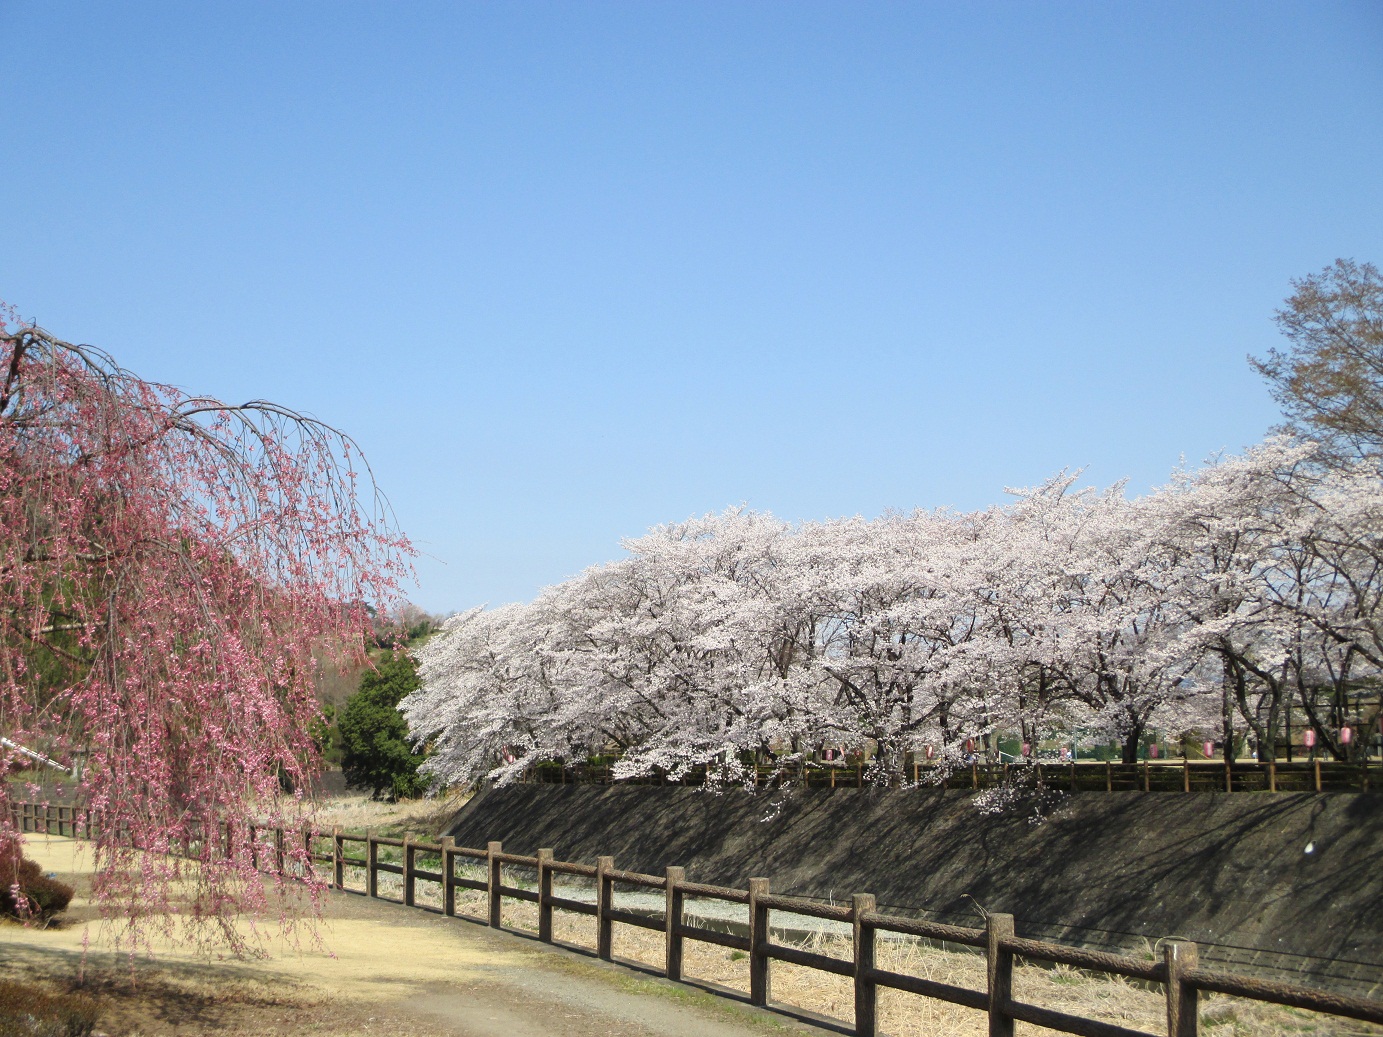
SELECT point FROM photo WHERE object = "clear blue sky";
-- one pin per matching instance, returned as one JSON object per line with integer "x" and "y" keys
{"x": 568, "y": 270}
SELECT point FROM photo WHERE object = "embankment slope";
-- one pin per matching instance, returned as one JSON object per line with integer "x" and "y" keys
{"x": 1270, "y": 874}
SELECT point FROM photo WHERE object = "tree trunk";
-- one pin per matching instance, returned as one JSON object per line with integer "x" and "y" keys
{"x": 1234, "y": 676}
{"x": 1227, "y": 714}
{"x": 1131, "y": 740}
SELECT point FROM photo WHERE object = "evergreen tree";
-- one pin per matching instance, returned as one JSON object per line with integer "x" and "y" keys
{"x": 376, "y": 752}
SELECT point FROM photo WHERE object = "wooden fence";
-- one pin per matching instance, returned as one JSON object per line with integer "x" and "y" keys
{"x": 1178, "y": 970}
{"x": 1089, "y": 776}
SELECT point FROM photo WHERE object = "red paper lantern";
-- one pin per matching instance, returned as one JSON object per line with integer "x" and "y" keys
{"x": 929, "y": 751}
{"x": 1309, "y": 738}
{"x": 970, "y": 745}
{"x": 1152, "y": 751}
{"x": 1346, "y": 734}
{"x": 1027, "y": 748}
{"x": 1208, "y": 749}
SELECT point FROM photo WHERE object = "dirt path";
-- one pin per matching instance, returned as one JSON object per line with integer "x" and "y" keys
{"x": 389, "y": 971}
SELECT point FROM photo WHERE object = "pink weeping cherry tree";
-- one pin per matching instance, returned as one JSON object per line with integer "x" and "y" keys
{"x": 173, "y": 573}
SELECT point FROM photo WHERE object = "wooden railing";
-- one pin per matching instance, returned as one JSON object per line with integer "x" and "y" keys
{"x": 1178, "y": 969}
{"x": 1086, "y": 776}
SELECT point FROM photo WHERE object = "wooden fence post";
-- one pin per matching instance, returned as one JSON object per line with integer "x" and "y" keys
{"x": 448, "y": 875}
{"x": 371, "y": 863}
{"x": 866, "y": 990}
{"x": 759, "y": 985}
{"x": 1317, "y": 769}
{"x": 1185, "y": 775}
{"x": 1147, "y": 776}
{"x": 409, "y": 885}
{"x": 1229, "y": 772}
{"x": 494, "y": 881}
{"x": 545, "y": 894}
{"x": 1000, "y": 969}
{"x": 254, "y": 847}
{"x": 278, "y": 850}
{"x": 1108, "y": 776}
{"x": 338, "y": 853}
{"x": 1183, "y": 1000}
{"x": 672, "y": 920}
{"x": 604, "y": 897}
{"x": 1272, "y": 775}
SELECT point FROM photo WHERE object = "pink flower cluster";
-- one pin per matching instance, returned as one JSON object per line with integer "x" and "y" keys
{"x": 173, "y": 573}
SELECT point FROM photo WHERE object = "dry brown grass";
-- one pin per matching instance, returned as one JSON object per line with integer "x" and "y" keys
{"x": 1090, "y": 995}
{"x": 355, "y": 813}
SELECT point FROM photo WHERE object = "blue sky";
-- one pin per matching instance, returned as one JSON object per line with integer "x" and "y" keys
{"x": 570, "y": 270}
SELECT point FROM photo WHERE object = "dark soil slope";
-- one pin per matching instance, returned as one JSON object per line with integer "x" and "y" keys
{"x": 1265, "y": 876}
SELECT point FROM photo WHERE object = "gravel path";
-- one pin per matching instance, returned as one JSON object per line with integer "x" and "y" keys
{"x": 515, "y": 987}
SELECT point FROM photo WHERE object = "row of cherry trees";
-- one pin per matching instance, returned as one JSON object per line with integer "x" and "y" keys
{"x": 1216, "y": 602}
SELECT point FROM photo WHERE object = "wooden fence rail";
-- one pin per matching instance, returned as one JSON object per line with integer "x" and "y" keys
{"x": 1087, "y": 776}
{"x": 1178, "y": 970}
